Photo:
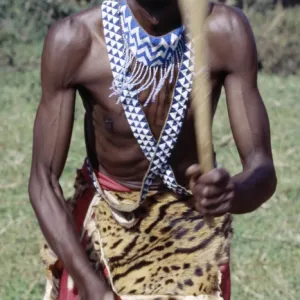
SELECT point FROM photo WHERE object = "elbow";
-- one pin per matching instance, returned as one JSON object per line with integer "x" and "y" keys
{"x": 34, "y": 188}
{"x": 272, "y": 182}
{"x": 43, "y": 181}
{"x": 262, "y": 185}
{"x": 40, "y": 179}
{"x": 33, "y": 182}
{"x": 269, "y": 184}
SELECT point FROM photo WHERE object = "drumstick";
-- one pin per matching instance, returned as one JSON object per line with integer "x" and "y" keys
{"x": 194, "y": 14}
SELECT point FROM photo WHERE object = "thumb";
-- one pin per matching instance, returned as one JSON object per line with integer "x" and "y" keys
{"x": 193, "y": 173}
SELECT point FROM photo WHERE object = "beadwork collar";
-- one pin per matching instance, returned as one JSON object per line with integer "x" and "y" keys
{"x": 147, "y": 49}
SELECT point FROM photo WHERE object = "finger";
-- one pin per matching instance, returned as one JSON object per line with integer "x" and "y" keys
{"x": 220, "y": 210}
{"x": 197, "y": 189}
{"x": 200, "y": 208}
{"x": 213, "y": 191}
{"x": 214, "y": 203}
{"x": 215, "y": 177}
{"x": 193, "y": 171}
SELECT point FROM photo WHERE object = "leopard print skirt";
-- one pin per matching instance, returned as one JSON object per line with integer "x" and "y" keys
{"x": 168, "y": 252}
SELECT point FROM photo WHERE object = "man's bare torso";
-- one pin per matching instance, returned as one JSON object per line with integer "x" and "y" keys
{"x": 111, "y": 145}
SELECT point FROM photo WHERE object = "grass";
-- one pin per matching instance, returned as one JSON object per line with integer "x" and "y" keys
{"x": 266, "y": 245}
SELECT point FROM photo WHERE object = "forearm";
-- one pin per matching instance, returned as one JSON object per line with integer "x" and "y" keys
{"x": 254, "y": 186}
{"x": 58, "y": 227}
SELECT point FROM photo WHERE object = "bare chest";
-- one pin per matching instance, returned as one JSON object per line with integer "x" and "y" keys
{"x": 95, "y": 81}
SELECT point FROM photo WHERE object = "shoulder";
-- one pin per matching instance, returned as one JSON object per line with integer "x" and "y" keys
{"x": 75, "y": 32}
{"x": 69, "y": 41}
{"x": 228, "y": 21}
{"x": 230, "y": 34}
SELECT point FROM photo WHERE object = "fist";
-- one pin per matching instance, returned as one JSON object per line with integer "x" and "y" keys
{"x": 213, "y": 191}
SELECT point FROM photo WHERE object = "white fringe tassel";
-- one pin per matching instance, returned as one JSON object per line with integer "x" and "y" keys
{"x": 143, "y": 77}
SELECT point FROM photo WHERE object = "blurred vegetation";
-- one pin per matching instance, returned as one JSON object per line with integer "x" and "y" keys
{"x": 277, "y": 35}
{"x": 25, "y": 22}
{"x": 28, "y": 20}
{"x": 261, "y": 5}
{"x": 276, "y": 24}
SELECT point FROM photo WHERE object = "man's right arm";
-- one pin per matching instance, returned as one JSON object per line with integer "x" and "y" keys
{"x": 65, "y": 50}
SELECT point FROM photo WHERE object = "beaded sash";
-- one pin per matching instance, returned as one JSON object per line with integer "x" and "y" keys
{"x": 118, "y": 22}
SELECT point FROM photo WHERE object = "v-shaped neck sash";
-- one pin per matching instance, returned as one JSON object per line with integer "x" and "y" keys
{"x": 157, "y": 152}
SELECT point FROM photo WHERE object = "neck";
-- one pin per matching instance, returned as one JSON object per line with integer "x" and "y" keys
{"x": 157, "y": 17}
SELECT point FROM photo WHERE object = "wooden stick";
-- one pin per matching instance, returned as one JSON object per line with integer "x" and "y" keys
{"x": 194, "y": 14}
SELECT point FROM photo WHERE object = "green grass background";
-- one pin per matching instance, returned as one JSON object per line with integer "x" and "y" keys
{"x": 266, "y": 244}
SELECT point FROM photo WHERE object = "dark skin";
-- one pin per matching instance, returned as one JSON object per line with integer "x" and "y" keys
{"x": 75, "y": 58}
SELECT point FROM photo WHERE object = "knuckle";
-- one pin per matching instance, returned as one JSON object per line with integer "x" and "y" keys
{"x": 230, "y": 195}
{"x": 197, "y": 190}
{"x": 206, "y": 191}
{"x": 204, "y": 202}
{"x": 217, "y": 176}
{"x": 193, "y": 171}
{"x": 225, "y": 207}
{"x": 202, "y": 179}
{"x": 220, "y": 200}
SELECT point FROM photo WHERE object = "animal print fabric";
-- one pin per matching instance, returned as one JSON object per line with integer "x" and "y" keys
{"x": 171, "y": 253}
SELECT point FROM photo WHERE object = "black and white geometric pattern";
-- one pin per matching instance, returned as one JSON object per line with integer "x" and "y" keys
{"x": 113, "y": 36}
{"x": 162, "y": 48}
{"x": 157, "y": 152}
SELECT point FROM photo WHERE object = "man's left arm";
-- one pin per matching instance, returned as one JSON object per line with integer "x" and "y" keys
{"x": 249, "y": 121}
{"x": 216, "y": 192}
